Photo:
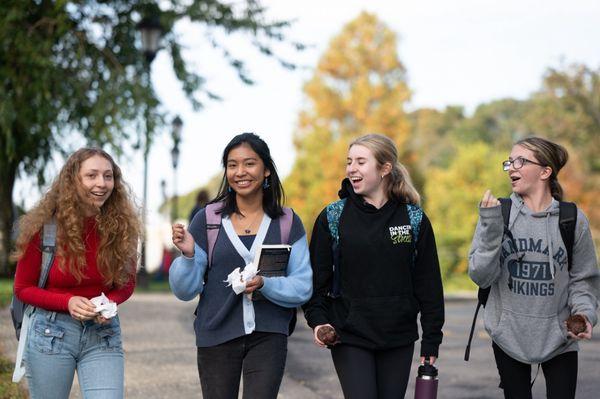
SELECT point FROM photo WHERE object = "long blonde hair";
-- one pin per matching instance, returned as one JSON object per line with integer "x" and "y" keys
{"x": 118, "y": 223}
{"x": 399, "y": 185}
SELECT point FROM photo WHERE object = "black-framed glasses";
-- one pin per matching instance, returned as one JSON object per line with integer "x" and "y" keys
{"x": 517, "y": 163}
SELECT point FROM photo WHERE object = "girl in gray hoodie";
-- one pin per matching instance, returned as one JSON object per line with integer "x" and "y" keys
{"x": 533, "y": 291}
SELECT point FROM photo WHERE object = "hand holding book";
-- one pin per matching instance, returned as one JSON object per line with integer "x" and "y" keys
{"x": 272, "y": 261}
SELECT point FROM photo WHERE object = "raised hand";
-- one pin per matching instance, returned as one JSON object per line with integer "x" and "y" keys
{"x": 488, "y": 200}
{"x": 183, "y": 240}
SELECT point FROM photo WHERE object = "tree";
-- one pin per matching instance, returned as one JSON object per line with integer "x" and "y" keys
{"x": 74, "y": 68}
{"x": 358, "y": 87}
{"x": 452, "y": 195}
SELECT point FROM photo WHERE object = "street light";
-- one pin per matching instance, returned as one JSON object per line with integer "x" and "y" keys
{"x": 151, "y": 30}
{"x": 177, "y": 124}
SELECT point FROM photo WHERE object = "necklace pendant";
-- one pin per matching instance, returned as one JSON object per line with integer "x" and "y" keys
{"x": 247, "y": 231}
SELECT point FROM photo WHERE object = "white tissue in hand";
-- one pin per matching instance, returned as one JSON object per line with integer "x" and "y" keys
{"x": 237, "y": 280}
{"x": 106, "y": 308}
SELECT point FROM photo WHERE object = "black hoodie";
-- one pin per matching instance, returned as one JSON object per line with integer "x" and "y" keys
{"x": 381, "y": 291}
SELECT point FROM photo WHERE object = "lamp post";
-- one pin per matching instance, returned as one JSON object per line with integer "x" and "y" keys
{"x": 151, "y": 30}
{"x": 177, "y": 124}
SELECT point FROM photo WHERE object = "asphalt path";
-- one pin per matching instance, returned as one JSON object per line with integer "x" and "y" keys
{"x": 161, "y": 357}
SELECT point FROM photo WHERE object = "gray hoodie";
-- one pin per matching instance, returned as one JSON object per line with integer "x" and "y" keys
{"x": 532, "y": 290}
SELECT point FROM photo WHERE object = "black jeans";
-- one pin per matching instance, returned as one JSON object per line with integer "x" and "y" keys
{"x": 369, "y": 374}
{"x": 260, "y": 356}
{"x": 560, "y": 373}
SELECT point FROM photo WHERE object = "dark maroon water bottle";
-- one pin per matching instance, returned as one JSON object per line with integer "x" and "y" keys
{"x": 427, "y": 381}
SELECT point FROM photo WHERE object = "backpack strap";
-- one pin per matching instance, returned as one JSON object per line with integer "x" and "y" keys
{"x": 24, "y": 311}
{"x": 415, "y": 214}
{"x": 285, "y": 224}
{"x": 213, "y": 225}
{"x": 567, "y": 219}
{"x": 506, "y": 204}
{"x": 334, "y": 212}
{"x": 48, "y": 249}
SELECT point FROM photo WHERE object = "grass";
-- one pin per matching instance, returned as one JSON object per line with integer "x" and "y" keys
{"x": 153, "y": 285}
{"x": 459, "y": 284}
{"x": 6, "y": 289}
{"x": 8, "y": 389}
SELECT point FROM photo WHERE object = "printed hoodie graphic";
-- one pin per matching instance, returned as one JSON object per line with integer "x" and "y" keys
{"x": 532, "y": 291}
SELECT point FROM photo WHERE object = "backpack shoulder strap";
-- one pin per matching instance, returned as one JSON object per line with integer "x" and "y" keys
{"x": 506, "y": 204}
{"x": 213, "y": 225}
{"x": 285, "y": 224}
{"x": 334, "y": 211}
{"x": 48, "y": 249}
{"x": 567, "y": 219}
{"x": 415, "y": 214}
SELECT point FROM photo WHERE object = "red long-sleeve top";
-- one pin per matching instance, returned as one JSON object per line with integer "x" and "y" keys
{"x": 61, "y": 286}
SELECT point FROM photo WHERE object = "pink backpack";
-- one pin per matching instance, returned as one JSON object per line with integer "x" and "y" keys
{"x": 213, "y": 225}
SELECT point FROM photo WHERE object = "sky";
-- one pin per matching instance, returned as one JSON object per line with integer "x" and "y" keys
{"x": 461, "y": 52}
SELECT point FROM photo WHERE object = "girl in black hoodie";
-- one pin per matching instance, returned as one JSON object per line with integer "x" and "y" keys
{"x": 383, "y": 284}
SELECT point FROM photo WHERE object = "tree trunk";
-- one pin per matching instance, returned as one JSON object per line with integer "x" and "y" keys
{"x": 8, "y": 172}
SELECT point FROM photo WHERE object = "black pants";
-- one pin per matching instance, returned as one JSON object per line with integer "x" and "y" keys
{"x": 367, "y": 374}
{"x": 260, "y": 356}
{"x": 560, "y": 373}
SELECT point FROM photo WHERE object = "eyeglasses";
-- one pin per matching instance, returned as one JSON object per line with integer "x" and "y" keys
{"x": 517, "y": 163}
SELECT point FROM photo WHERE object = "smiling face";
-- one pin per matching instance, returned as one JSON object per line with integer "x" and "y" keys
{"x": 530, "y": 177}
{"x": 245, "y": 171}
{"x": 364, "y": 172}
{"x": 96, "y": 179}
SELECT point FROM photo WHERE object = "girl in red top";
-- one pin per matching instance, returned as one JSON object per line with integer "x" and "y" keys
{"x": 98, "y": 229}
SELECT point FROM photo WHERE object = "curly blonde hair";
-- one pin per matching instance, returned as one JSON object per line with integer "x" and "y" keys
{"x": 117, "y": 223}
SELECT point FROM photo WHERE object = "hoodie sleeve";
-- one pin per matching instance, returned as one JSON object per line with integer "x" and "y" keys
{"x": 317, "y": 309}
{"x": 584, "y": 277}
{"x": 427, "y": 283}
{"x": 484, "y": 256}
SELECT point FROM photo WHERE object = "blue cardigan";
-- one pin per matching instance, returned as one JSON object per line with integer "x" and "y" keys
{"x": 222, "y": 315}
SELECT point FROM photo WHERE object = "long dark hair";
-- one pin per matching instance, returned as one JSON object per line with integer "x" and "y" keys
{"x": 273, "y": 195}
{"x": 549, "y": 154}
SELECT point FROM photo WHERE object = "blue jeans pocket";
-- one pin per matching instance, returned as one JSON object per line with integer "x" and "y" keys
{"x": 48, "y": 338}
{"x": 110, "y": 338}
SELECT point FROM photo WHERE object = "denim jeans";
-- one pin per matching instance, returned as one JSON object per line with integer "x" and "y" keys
{"x": 260, "y": 356}
{"x": 57, "y": 345}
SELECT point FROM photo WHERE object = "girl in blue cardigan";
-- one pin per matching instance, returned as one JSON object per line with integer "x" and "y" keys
{"x": 247, "y": 332}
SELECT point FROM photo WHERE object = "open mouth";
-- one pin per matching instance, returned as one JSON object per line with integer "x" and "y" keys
{"x": 355, "y": 179}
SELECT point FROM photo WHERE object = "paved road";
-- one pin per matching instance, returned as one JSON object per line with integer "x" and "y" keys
{"x": 161, "y": 357}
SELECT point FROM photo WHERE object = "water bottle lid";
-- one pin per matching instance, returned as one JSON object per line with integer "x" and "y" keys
{"x": 427, "y": 369}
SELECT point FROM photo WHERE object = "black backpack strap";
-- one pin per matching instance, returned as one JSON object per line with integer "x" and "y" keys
{"x": 506, "y": 204}
{"x": 468, "y": 348}
{"x": 567, "y": 219}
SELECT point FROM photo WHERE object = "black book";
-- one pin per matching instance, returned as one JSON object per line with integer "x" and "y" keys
{"x": 272, "y": 261}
